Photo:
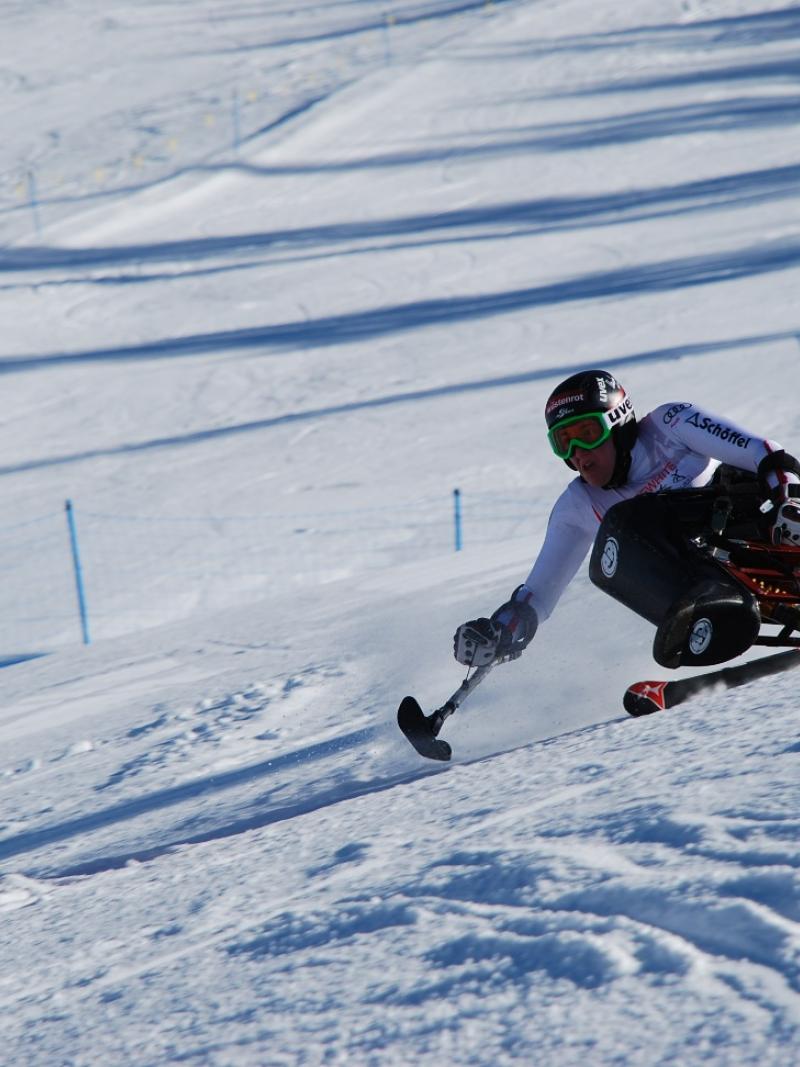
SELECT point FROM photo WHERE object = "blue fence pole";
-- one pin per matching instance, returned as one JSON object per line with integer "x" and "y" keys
{"x": 76, "y": 563}
{"x": 457, "y": 518}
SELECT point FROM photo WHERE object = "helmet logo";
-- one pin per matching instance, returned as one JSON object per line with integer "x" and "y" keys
{"x": 620, "y": 412}
{"x": 564, "y": 400}
{"x": 609, "y": 560}
{"x": 602, "y": 389}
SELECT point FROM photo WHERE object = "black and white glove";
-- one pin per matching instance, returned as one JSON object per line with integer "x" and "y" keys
{"x": 786, "y": 527}
{"x": 504, "y": 636}
{"x": 779, "y": 480}
{"x": 475, "y": 642}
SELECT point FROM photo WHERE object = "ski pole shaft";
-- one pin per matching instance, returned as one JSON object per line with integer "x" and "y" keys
{"x": 442, "y": 714}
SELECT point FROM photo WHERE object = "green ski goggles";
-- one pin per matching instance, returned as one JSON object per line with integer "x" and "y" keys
{"x": 581, "y": 431}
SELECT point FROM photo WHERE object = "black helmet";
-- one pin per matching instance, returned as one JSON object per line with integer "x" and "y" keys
{"x": 596, "y": 406}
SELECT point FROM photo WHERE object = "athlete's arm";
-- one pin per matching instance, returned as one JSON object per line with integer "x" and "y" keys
{"x": 570, "y": 534}
{"x": 711, "y": 435}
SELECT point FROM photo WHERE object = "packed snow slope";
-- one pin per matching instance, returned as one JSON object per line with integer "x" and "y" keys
{"x": 315, "y": 265}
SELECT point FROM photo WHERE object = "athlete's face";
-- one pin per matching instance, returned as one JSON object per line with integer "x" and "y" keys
{"x": 595, "y": 465}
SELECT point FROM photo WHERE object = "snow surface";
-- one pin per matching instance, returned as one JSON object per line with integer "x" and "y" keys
{"x": 318, "y": 264}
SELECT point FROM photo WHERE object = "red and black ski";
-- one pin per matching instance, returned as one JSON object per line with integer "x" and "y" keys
{"x": 644, "y": 698}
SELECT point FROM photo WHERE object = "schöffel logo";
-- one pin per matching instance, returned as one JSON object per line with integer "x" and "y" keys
{"x": 674, "y": 411}
{"x": 724, "y": 433}
{"x": 561, "y": 401}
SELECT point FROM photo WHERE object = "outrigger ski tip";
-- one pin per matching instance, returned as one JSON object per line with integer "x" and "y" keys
{"x": 419, "y": 730}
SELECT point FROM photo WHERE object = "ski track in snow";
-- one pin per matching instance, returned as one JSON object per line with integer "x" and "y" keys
{"x": 215, "y": 847}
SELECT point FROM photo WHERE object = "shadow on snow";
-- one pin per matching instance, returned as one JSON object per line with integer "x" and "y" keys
{"x": 31, "y": 841}
{"x": 325, "y": 797}
{"x": 779, "y": 69}
{"x": 525, "y": 216}
{"x": 677, "y": 120}
{"x": 500, "y": 382}
{"x": 373, "y": 24}
{"x": 352, "y": 327}
{"x": 728, "y": 31}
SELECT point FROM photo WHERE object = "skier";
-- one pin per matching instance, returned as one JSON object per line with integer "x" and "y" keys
{"x": 635, "y": 497}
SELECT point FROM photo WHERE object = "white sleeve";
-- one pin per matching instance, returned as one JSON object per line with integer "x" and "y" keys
{"x": 570, "y": 534}
{"x": 709, "y": 435}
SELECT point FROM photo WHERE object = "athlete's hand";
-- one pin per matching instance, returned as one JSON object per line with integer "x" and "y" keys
{"x": 475, "y": 642}
{"x": 786, "y": 528}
